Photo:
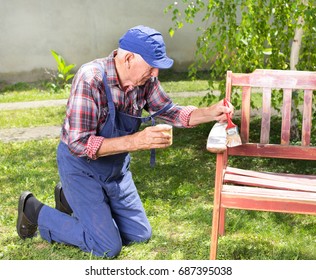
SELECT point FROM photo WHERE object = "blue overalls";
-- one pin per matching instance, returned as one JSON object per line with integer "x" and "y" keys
{"x": 107, "y": 210}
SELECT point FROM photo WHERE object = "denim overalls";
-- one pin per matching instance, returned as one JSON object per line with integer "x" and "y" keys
{"x": 107, "y": 210}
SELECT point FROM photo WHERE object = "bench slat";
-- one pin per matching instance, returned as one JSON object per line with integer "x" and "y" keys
{"x": 250, "y": 198}
{"x": 286, "y": 116}
{"x": 283, "y": 177}
{"x": 274, "y": 151}
{"x": 276, "y": 79}
{"x": 268, "y": 183}
{"x": 307, "y": 117}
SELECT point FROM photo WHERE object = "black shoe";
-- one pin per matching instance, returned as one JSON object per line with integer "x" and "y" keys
{"x": 24, "y": 227}
{"x": 58, "y": 203}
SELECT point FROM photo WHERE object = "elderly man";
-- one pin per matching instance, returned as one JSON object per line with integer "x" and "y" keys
{"x": 98, "y": 208}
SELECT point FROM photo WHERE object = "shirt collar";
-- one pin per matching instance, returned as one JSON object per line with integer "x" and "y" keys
{"x": 112, "y": 77}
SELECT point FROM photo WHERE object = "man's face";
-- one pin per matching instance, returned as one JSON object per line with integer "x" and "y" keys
{"x": 140, "y": 71}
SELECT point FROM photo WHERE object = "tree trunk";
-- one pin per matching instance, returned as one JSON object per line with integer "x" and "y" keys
{"x": 295, "y": 53}
{"x": 296, "y": 44}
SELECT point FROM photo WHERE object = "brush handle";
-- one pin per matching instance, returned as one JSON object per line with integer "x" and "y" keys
{"x": 230, "y": 124}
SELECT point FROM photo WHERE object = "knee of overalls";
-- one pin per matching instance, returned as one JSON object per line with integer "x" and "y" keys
{"x": 107, "y": 249}
{"x": 114, "y": 251}
{"x": 138, "y": 237}
{"x": 146, "y": 235}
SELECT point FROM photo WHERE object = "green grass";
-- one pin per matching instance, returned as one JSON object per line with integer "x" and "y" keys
{"x": 32, "y": 117}
{"x": 177, "y": 195}
{"x": 22, "y": 92}
{"x": 47, "y": 116}
{"x": 178, "y": 198}
{"x": 171, "y": 82}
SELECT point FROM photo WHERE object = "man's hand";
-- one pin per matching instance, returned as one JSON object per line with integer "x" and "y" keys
{"x": 152, "y": 137}
{"x": 216, "y": 112}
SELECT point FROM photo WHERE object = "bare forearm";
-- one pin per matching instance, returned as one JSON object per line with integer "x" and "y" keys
{"x": 215, "y": 112}
{"x": 112, "y": 146}
{"x": 199, "y": 116}
{"x": 149, "y": 138}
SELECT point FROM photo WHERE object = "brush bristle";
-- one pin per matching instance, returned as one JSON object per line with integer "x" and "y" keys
{"x": 233, "y": 138}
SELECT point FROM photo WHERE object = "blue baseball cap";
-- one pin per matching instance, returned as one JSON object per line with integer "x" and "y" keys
{"x": 149, "y": 44}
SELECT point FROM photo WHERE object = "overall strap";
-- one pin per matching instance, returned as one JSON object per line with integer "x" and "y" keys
{"x": 161, "y": 111}
{"x": 109, "y": 97}
{"x": 108, "y": 94}
{"x": 151, "y": 117}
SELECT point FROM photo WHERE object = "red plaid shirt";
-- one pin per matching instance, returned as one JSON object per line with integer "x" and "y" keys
{"x": 87, "y": 108}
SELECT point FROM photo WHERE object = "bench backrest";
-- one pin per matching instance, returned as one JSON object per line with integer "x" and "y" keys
{"x": 265, "y": 83}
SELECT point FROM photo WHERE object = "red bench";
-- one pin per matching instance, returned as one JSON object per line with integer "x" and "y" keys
{"x": 266, "y": 191}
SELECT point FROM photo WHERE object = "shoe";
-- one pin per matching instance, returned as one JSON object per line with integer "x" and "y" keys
{"x": 58, "y": 204}
{"x": 24, "y": 227}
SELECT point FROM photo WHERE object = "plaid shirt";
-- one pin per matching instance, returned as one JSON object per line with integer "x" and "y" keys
{"x": 87, "y": 108}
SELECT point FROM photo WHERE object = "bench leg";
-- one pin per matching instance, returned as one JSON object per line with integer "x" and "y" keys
{"x": 217, "y": 209}
{"x": 215, "y": 231}
{"x": 222, "y": 216}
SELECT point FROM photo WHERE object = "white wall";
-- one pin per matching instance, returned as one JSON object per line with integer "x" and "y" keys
{"x": 80, "y": 30}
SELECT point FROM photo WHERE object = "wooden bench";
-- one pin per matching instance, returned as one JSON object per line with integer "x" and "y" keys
{"x": 266, "y": 191}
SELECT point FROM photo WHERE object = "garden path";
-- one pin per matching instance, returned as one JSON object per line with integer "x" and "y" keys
{"x": 41, "y": 132}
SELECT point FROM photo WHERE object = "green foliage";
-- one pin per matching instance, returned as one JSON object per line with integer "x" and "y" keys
{"x": 61, "y": 79}
{"x": 307, "y": 59}
{"x": 243, "y": 35}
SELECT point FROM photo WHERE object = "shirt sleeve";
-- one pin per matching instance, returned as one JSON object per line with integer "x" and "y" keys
{"x": 185, "y": 115}
{"x": 93, "y": 145}
{"x": 82, "y": 116}
{"x": 178, "y": 116}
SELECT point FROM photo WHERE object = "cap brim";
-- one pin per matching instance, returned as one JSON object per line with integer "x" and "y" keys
{"x": 164, "y": 63}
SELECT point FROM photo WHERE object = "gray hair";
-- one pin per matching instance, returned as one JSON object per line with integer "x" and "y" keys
{"x": 121, "y": 54}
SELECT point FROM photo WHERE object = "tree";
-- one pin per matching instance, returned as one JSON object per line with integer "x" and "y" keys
{"x": 243, "y": 35}
{"x": 294, "y": 59}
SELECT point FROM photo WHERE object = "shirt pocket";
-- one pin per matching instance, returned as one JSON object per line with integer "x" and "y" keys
{"x": 103, "y": 117}
{"x": 138, "y": 104}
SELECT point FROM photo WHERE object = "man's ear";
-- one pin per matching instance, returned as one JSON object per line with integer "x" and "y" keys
{"x": 128, "y": 59}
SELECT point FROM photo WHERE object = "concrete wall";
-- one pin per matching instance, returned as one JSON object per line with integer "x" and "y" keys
{"x": 80, "y": 30}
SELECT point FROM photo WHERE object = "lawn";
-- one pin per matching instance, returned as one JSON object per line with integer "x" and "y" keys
{"x": 177, "y": 195}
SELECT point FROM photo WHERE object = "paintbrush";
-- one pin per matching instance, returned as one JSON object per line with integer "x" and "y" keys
{"x": 216, "y": 141}
{"x": 233, "y": 137}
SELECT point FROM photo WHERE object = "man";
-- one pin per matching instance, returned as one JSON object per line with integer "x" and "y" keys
{"x": 98, "y": 208}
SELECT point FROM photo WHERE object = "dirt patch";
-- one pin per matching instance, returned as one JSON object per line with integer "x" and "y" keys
{"x": 29, "y": 133}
